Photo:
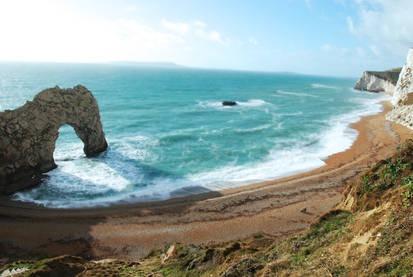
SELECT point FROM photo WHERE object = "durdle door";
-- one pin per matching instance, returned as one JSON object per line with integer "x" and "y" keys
{"x": 402, "y": 101}
{"x": 28, "y": 134}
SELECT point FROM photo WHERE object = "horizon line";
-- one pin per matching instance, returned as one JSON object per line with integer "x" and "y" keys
{"x": 173, "y": 66}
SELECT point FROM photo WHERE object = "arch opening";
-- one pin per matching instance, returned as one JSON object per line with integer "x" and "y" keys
{"x": 68, "y": 145}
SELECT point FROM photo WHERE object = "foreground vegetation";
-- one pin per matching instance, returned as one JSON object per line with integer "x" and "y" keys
{"x": 368, "y": 234}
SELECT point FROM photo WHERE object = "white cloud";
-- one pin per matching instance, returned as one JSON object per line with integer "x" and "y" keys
{"x": 47, "y": 30}
{"x": 176, "y": 27}
{"x": 197, "y": 28}
{"x": 200, "y": 24}
{"x": 375, "y": 50}
{"x": 253, "y": 41}
{"x": 215, "y": 36}
{"x": 385, "y": 22}
{"x": 133, "y": 30}
{"x": 356, "y": 54}
{"x": 211, "y": 35}
{"x": 327, "y": 47}
{"x": 350, "y": 25}
{"x": 341, "y": 51}
{"x": 130, "y": 8}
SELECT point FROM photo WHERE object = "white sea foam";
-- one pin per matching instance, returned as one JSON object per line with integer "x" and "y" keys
{"x": 301, "y": 94}
{"x": 290, "y": 114}
{"x": 258, "y": 128}
{"x": 253, "y": 103}
{"x": 72, "y": 151}
{"x": 210, "y": 104}
{"x": 323, "y": 86}
{"x": 135, "y": 147}
{"x": 112, "y": 179}
{"x": 339, "y": 136}
{"x": 281, "y": 162}
{"x": 301, "y": 156}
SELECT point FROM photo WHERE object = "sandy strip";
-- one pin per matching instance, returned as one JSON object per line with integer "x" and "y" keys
{"x": 130, "y": 231}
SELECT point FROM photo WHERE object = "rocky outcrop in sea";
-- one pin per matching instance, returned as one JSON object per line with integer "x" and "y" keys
{"x": 28, "y": 134}
{"x": 402, "y": 101}
{"x": 378, "y": 81}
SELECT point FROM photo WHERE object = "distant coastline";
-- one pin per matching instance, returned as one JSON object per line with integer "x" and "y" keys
{"x": 169, "y": 65}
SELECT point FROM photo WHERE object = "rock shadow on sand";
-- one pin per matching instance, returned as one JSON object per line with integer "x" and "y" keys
{"x": 28, "y": 229}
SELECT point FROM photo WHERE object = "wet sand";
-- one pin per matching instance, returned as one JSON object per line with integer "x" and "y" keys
{"x": 132, "y": 230}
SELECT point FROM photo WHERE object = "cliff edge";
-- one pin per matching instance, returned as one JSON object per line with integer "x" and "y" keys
{"x": 402, "y": 101}
{"x": 378, "y": 81}
{"x": 28, "y": 134}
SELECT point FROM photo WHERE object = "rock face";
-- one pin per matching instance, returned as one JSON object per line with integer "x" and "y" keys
{"x": 402, "y": 101}
{"x": 229, "y": 103}
{"x": 28, "y": 134}
{"x": 377, "y": 81}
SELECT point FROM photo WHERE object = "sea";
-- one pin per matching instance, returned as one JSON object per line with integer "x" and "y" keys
{"x": 170, "y": 136}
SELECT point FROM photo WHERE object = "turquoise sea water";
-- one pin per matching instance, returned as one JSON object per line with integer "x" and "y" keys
{"x": 170, "y": 136}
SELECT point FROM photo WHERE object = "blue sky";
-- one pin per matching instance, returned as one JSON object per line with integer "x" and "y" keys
{"x": 324, "y": 37}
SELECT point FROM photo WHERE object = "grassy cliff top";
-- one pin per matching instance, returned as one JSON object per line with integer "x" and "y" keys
{"x": 391, "y": 75}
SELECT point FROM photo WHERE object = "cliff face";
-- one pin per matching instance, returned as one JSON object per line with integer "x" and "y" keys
{"x": 376, "y": 81}
{"x": 28, "y": 134}
{"x": 402, "y": 101}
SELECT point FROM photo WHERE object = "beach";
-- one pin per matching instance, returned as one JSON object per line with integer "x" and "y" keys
{"x": 273, "y": 208}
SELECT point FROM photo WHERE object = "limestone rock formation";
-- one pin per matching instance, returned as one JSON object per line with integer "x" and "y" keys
{"x": 402, "y": 101}
{"x": 377, "y": 81}
{"x": 28, "y": 134}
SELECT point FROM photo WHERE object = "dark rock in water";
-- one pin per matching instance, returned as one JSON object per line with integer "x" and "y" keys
{"x": 229, "y": 103}
{"x": 28, "y": 134}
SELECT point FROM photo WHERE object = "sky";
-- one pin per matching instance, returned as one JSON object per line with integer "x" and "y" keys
{"x": 320, "y": 37}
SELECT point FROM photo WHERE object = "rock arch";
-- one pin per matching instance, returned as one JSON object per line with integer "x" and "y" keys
{"x": 28, "y": 134}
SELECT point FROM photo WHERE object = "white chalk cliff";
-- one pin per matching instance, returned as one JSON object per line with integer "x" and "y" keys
{"x": 376, "y": 81}
{"x": 402, "y": 101}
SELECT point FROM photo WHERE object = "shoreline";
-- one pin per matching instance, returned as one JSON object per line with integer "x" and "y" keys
{"x": 198, "y": 192}
{"x": 132, "y": 230}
